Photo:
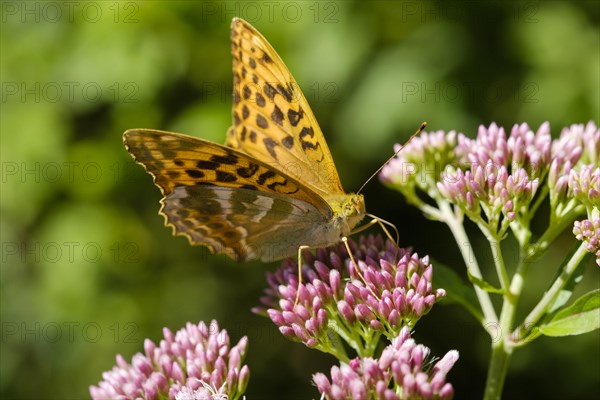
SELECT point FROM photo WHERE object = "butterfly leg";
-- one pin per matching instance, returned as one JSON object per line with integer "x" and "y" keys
{"x": 382, "y": 223}
{"x": 300, "y": 249}
{"x": 353, "y": 261}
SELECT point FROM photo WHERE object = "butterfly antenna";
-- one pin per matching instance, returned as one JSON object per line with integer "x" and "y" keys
{"x": 423, "y": 125}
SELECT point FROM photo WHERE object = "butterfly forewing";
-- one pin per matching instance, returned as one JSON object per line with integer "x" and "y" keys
{"x": 272, "y": 119}
{"x": 181, "y": 160}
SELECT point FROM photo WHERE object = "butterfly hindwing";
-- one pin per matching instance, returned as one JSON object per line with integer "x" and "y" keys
{"x": 243, "y": 224}
{"x": 272, "y": 119}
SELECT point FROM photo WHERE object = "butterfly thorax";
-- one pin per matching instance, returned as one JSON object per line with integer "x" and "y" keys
{"x": 348, "y": 210}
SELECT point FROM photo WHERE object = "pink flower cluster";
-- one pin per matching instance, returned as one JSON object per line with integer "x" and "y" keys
{"x": 197, "y": 362}
{"x": 498, "y": 175}
{"x": 588, "y": 231}
{"x": 502, "y": 173}
{"x": 401, "y": 372}
{"x": 392, "y": 295}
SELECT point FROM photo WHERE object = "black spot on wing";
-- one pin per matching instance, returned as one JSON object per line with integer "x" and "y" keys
{"x": 261, "y": 121}
{"x": 253, "y": 135}
{"x": 273, "y": 186}
{"x": 252, "y": 63}
{"x": 260, "y": 100}
{"x": 306, "y": 144}
{"x": 246, "y": 92}
{"x": 245, "y": 112}
{"x": 247, "y": 172}
{"x": 270, "y": 144}
{"x": 203, "y": 164}
{"x": 306, "y": 131}
{"x": 264, "y": 176}
{"x": 194, "y": 173}
{"x": 225, "y": 177}
{"x": 277, "y": 116}
{"x": 269, "y": 91}
{"x": 229, "y": 159}
{"x": 266, "y": 59}
{"x": 288, "y": 142}
{"x": 294, "y": 116}
{"x": 179, "y": 163}
{"x": 285, "y": 92}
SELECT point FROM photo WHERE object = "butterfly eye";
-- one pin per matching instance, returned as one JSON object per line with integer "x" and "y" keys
{"x": 358, "y": 205}
{"x": 348, "y": 209}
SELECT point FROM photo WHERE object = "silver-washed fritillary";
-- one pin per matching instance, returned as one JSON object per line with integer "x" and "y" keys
{"x": 273, "y": 188}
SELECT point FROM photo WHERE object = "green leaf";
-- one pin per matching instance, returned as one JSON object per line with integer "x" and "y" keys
{"x": 456, "y": 290}
{"x": 483, "y": 284}
{"x": 581, "y": 317}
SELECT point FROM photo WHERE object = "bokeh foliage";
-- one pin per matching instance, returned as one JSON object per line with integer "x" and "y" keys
{"x": 88, "y": 270}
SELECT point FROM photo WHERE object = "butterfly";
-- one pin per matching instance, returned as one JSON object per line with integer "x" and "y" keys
{"x": 273, "y": 188}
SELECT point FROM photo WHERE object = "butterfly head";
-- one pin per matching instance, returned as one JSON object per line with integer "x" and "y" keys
{"x": 354, "y": 206}
{"x": 349, "y": 208}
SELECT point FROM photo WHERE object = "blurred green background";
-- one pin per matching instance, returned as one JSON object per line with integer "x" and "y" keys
{"x": 89, "y": 271}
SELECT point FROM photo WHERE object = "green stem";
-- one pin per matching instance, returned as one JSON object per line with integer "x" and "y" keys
{"x": 501, "y": 350}
{"x": 371, "y": 345}
{"x": 431, "y": 212}
{"x": 550, "y": 296}
{"x": 540, "y": 198}
{"x": 497, "y": 257}
{"x": 464, "y": 245}
{"x": 497, "y": 371}
{"x": 338, "y": 350}
{"x": 554, "y": 229}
